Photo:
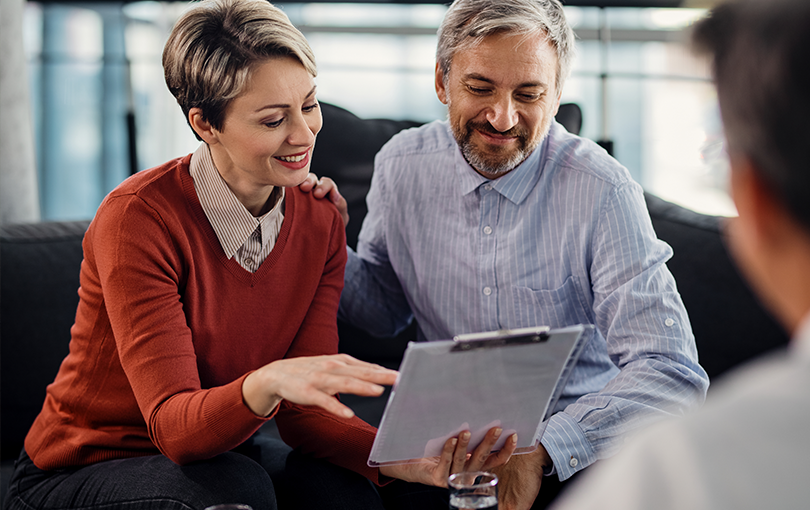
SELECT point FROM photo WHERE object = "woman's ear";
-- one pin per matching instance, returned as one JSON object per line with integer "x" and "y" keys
{"x": 202, "y": 127}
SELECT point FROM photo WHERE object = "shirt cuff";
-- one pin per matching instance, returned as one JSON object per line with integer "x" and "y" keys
{"x": 567, "y": 446}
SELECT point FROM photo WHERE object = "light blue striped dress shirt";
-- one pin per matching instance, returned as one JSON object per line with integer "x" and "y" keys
{"x": 563, "y": 239}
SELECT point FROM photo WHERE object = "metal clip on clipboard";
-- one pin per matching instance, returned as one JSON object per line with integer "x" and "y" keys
{"x": 502, "y": 338}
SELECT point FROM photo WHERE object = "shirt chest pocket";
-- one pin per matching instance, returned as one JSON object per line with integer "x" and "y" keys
{"x": 563, "y": 306}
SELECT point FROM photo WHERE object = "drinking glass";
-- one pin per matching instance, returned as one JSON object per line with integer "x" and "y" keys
{"x": 473, "y": 490}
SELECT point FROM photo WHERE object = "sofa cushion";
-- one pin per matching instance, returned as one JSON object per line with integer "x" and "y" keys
{"x": 39, "y": 279}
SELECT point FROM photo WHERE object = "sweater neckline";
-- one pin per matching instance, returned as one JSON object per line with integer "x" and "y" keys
{"x": 231, "y": 264}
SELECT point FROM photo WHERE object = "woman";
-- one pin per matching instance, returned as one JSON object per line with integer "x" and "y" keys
{"x": 209, "y": 291}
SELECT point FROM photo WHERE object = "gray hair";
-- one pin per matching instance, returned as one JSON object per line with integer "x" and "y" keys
{"x": 468, "y": 22}
{"x": 761, "y": 64}
{"x": 214, "y": 47}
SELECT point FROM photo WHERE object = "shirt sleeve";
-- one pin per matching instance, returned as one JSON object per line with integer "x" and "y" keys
{"x": 372, "y": 298}
{"x": 641, "y": 318}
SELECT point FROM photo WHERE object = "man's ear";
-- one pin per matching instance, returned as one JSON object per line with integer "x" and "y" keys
{"x": 202, "y": 127}
{"x": 441, "y": 91}
{"x": 751, "y": 196}
{"x": 557, "y": 106}
{"x": 768, "y": 220}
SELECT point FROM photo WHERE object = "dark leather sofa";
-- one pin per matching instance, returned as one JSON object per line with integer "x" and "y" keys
{"x": 39, "y": 275}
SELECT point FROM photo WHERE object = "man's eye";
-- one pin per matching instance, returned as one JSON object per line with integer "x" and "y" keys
{"x": 477, "y": 90}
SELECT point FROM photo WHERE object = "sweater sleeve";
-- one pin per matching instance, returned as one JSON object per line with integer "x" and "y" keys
{"x": 141, "y": 274}
{"x": 346, "y": 443}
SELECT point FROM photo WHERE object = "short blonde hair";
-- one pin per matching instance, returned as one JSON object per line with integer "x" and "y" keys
{"x": 215, "y": 45}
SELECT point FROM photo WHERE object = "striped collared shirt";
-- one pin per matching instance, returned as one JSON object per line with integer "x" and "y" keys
{"x": 565, "y": 238}
{"x": 242, "y": 235}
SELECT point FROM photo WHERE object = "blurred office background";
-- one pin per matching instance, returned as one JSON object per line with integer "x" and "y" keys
{"x": 101, "y": 109}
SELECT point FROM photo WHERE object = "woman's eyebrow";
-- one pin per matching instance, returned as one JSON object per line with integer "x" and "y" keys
{"x": 284, "y": 105}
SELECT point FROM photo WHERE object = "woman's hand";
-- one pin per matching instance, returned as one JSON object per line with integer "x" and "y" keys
{"x": 313, "y": 381}
{"x": 324, "y": 187}
{"x": 455, "y": 459}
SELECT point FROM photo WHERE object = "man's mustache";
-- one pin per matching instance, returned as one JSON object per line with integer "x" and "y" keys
{"x": 486, "y": 127}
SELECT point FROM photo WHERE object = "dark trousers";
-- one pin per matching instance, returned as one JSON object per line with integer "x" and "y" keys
{"x": 263, "y": 473}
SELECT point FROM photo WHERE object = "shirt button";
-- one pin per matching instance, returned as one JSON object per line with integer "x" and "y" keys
{"x": 573, "y": 462}
{"x": 488, "y": 187}
{"x": 669, "y": 322}
{"x": 487, "y": 291}
{"x": 487, "y": 230}
{"x": 249, "y": 261}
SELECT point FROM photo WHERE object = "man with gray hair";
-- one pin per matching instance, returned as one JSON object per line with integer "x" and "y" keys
{"x": 498, "y": 218}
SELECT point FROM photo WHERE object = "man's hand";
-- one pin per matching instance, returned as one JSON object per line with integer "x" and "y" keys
{"x": 324, "y": 187}
{"x": 519, "y": 481}
{"x": 454, "y": 459}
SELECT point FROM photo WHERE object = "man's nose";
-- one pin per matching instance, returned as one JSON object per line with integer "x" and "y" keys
{"x": 502, "y": 114}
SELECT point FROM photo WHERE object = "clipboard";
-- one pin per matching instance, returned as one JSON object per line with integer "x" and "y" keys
{"x": 509, "y": 378}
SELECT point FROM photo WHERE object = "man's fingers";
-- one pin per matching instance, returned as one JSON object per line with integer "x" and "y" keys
{"x": 460, "y": 453}
{"x": 326, "y": 186}
{"x": 309, "y": 182}
{"x": 482, "y": 451}
{"x": 442, "y": 470}
{"x": 501, "y": 457}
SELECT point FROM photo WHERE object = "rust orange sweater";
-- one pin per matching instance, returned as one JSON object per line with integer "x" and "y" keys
{"x": 167, "y": 328}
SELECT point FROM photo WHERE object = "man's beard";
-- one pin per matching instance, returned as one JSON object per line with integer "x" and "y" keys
{"x": 497, "y": 161}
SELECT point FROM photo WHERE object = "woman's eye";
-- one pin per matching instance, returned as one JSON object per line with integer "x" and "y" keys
{"x": 274, "y": 124}
{"x": 310, "y": 108}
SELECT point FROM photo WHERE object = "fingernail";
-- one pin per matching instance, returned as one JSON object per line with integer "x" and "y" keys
{"x": 465, "y": 436}
{"x": 498, "y": 432}
{"x": 514, "y": 438}
{"x": 454, "y": 441}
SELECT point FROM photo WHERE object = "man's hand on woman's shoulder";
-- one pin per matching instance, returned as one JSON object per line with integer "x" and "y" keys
{"x": 326, "y": 188}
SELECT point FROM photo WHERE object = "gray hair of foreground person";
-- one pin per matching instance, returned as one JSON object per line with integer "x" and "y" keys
{"x": 468, "y": 22}
{"x": 215, "y": 45}
{"x": 760, "y": 54}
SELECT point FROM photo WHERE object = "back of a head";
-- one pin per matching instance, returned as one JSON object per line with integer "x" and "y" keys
{"x": 467, "y": 22}
{"x": 761, "y": 63}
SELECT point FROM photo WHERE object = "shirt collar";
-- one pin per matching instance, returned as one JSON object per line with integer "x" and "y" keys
{"x": 515, "y": 185}
{"x": 231, "y": 221}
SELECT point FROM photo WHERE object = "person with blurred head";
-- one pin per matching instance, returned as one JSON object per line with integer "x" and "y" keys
{"x": 748, "y": 447}
{"x": 208, "y": 303}
{"x": 498, "y": 218}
